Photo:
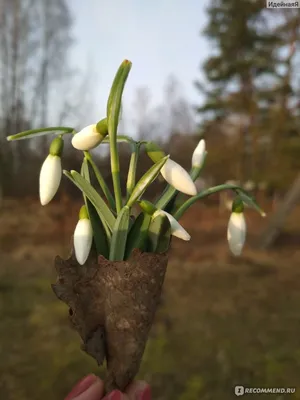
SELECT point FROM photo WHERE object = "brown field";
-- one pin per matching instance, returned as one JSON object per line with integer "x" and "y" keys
{"x": 222, "y": 322}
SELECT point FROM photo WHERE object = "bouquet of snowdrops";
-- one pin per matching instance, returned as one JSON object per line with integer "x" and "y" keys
{"x": 113, "y": 278}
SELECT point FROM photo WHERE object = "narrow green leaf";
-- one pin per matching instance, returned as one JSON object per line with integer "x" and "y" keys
{"x": 159, "y": 234}
{"x": 250, "y": 201}
{"x": 131, "y": 177}
{"x": 101, "y": 181}
{"x": 56, "y": 130}
{"x": 119, "y": 235}
{"x": 146, "y": 180}
{"x": 113, "y": 114}
{"x": 115, "y": 96}
{"x": 137, "y": 235}
{"x": 104, "y": 212}
{"x": 100, "y": 238}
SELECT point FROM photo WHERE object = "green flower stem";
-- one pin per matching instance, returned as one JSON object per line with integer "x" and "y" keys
{"x": 131, "y": 178}
{"x": 166, "y": 197}
{"x": 120, "y": 139}
{"x": 246, "y": 198}
{"x": 39, "y": 132}
{"x": 101, "y": 180}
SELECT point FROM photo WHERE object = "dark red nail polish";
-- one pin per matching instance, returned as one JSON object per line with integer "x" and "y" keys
{"x": 81, "y": 386}
{"x": 114, "y": 395}
{"x": 145, "y": 394}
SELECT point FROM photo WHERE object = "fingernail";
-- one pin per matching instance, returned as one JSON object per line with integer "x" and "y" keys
{"x": 81, "y": 386}
{"x": 144, "y": 394}
{"x": 114, "y": 395}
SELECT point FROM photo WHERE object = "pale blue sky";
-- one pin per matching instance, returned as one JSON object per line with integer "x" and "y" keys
{"x": 160, "y": 37}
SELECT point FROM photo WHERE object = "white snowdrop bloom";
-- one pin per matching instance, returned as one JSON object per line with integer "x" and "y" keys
{"x": 176, "y": 229}
{"x": 83, "y": 239}
{"x": 88, "y": 138}
{"x": 178, "y": 177}
{"x": 236, "y": 232}
{"x": 199, "y": 154}
{"x": 50, "y": 177}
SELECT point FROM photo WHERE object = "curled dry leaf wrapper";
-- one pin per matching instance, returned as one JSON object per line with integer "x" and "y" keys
{"x": 112, "y": 306}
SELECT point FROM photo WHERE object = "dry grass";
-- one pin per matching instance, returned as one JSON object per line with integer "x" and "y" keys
{"x": 222, "y": 321}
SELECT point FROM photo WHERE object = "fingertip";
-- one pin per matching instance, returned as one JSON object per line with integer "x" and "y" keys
{"x": 115, "y": 395}
{"x": 139, "y": 390}
{"x": 94, "y": 392}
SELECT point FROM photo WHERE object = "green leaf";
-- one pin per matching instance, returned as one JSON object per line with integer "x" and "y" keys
{"x": 113, "y": 113}
{"x": 119, "y": 235}
{"x": 101, "y": 181}
{"x": 137, "y": 235}
{"x": 159, "y": 234}
{"x": 115, "y": 96}
{"x": 248, "y": 199}
{"x": 56, "y": 130}
{"x": 101, "y": 207}
{"x": 131, "y": 177}
{"x": 100, "y": 238}
{"x": 146, "y": 180}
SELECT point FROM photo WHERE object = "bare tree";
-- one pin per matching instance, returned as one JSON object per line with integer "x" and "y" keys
{"x": 177, "y": 109}
{"x": 34, "y": 42}
{"x": 142, "y": 112}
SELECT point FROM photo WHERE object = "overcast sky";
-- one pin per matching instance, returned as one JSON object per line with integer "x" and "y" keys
{"x": 160, "y": 37}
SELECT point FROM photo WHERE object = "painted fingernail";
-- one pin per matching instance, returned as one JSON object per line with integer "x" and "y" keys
{"x": 114, "y": 395}
{"x": 144, "y": 394}
{"x": 81, "y": 386}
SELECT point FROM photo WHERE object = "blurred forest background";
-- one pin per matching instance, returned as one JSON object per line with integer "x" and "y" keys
{"x": 222, "y": 321}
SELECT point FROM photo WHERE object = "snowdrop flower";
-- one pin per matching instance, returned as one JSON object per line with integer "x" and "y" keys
{"x": 199, "y": 154}
{"x": 178, "y": 177}
{"x": 83, "y": 236}
{"x": 51, "y": 172}
{"x": 90, "y": 136}
{"x": 172, "y": 172}
{"x": 236, "y": 230}
{"x": 176, "y": 229}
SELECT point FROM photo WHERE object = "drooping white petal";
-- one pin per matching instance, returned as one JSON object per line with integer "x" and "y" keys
{"x": 83, "y": 238}
{"x": 87, "y": 139}
{"x": 178, "y": 177}
{"x": 236, "y": 233}
{"x": 176, "y": 229}
{"x": 50, "y": 177}
{"x": 199, "y": 154}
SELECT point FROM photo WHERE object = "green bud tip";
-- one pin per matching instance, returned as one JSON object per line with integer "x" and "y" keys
{"x": 147, "y": 206}
{"x": 83, "y": 213}
{"x": 154, "y": 152}
{"x": 56, "y": 147}
{"x": 102, "y": 128}
{"x": 237, "y": 205}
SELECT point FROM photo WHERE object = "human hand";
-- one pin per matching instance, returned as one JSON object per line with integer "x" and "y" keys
{"x": 92, "y": 388}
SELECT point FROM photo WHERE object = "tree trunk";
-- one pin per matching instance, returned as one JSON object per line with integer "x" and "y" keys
{"x": 273, "y": 230}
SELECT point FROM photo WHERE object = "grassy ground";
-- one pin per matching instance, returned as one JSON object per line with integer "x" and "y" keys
{"x": 222, "y": 322}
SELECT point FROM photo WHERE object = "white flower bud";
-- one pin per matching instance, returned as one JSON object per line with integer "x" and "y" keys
{"x": 88, "y": 138}
{"x": 176, "y": 229}
{"x": 199, "y": 154}
{"x": 50, "y": 177}
{"x": 178, "y": 177}
{"x": 83, "y": 239}
{"x": 236, "y": 232}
